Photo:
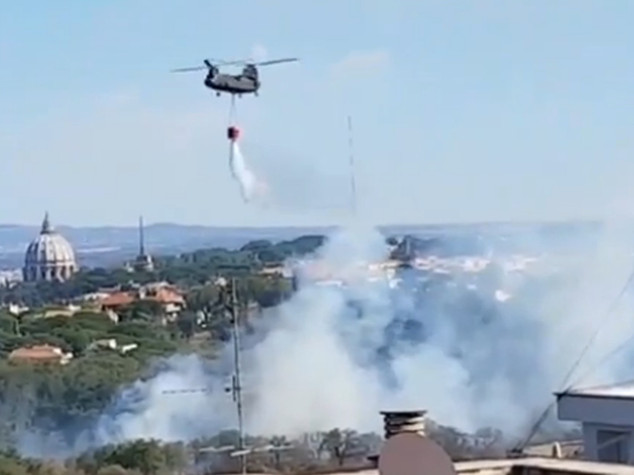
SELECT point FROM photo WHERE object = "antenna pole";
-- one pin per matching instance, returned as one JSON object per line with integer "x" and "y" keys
{"x": 237, "y": 384}
{"x": 141, "y": 237}
{"x": 353, "y": 185}
{"x": 230, "y": 304}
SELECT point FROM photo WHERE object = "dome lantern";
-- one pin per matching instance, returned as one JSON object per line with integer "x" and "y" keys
{"x": 46, "y": 225}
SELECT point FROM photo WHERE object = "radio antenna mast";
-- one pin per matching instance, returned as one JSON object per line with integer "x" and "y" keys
{"x": 353, "y": 184}
{"x": 230, "y": 304}
{"x": 237, "y": 382}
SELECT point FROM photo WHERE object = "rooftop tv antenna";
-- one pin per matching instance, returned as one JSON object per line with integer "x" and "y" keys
{"x": 353, "y": 184}
{"x": 236, "y": 382}
{"x": 231, "y": 305}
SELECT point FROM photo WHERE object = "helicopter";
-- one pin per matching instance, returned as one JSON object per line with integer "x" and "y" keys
{"x": 246, "y": 82}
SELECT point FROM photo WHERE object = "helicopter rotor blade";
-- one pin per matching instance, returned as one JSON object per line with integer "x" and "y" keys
{"x": 276, "y": 61}
{"x": 186, "y": 70}
{"x": 219, "y": 62}
{"x": 210, "y": 63}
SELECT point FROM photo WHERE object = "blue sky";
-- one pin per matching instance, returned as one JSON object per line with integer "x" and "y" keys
{"x": 462, "y": 111}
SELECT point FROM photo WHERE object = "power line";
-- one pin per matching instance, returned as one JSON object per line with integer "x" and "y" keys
{"x": 567, "y": 387}
{"x": 353, "y": 185}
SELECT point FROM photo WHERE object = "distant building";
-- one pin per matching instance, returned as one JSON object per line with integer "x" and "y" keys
{"x": 9, "y": 278}
{"x": 40, "y": 354}
{"x": 169, "y": 297}
{"x": 116, "y": 300}
{"x": 112, "y": 344}
{"x": 15, "y": 309}
{"x": 55, "y": 311}
{"x": 49, "y": 257}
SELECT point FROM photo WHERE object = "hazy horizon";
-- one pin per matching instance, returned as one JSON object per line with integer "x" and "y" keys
{"x": 147, "y": 224}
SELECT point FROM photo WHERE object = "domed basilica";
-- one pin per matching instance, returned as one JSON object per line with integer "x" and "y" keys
{"x": 49, "y": 256}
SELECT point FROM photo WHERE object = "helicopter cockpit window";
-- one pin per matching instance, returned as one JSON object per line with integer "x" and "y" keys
{"x": 250, "y": 71}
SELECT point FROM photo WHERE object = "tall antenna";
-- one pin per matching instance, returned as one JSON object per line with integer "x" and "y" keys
{"x": 353, "y": 185}
{"x": 231, "y": 304}
{"x": 237, "y": 383}
{"x": 141, "y": 237}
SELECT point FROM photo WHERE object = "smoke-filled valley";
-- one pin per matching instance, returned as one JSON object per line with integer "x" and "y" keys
{"x": 477, "y": 340}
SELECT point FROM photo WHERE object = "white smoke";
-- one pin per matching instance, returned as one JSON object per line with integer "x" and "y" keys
{"x": 318, "y": 362}
{"x": 251, "y": 186}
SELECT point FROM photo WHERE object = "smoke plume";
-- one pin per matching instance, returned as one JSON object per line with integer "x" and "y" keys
{"x": 478, "y": 342}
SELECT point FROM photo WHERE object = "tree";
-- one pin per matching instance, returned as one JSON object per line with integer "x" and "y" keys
{"x": 201, "y": 297}
{"x": 8, "y": 323}
{"x": 142, "y": 310}
{"x": 267, "y": 291}
{"x": 112, "y": 470}
{"x": 11, "y": 465}
{"x": 338, "y": 443}
{"x": 187, "y": 323}
{"x": 75, "y": 339}
{"x": 279, "y": 443}
{"x": 257, "y": 245}
{"x": 142, "y": 455}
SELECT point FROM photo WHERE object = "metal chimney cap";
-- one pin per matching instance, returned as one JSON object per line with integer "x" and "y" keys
{"x": 412, "y": 413}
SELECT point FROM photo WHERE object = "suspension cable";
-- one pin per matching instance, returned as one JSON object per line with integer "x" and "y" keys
{"x": 232, "y": 110}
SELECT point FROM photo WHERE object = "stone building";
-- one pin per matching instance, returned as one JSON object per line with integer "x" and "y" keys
{"x": 49, "y": 256}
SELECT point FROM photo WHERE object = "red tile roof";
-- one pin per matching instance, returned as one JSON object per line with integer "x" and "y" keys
{"x": 118, "y": 299}
{"x": 167, "y": 296}
{"x": 37, "y": 352}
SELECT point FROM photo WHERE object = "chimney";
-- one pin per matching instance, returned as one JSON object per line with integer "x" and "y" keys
{"x": 396, "y": 422}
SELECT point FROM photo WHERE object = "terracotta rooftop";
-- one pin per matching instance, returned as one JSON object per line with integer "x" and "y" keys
{"x": 167, "y": 295}
{"x": 117, "y": 299}
{"x": 163, "y": 295}
{"x": 37, "y": 352}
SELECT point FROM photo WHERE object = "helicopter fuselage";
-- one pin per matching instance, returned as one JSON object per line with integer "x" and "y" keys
{"x": 232, "y": 84}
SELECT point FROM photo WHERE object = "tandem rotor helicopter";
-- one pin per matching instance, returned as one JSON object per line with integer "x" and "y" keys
{"x": 246, "y": 82}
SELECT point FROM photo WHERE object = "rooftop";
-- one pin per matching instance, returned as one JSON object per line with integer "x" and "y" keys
{"x": 522, "y": 466}
{"x": 117, "y": 299}
{"x": 623, "y": 390}
{"x": 539, "y": 465}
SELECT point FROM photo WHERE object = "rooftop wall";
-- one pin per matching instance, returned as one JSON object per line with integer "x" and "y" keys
{"x": 522, "y": 466}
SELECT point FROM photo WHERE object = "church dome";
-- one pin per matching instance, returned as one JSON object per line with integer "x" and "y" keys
{"x": 49, "y": 256}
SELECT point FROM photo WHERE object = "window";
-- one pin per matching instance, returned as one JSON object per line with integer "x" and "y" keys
{"x": 613, "y": 446}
